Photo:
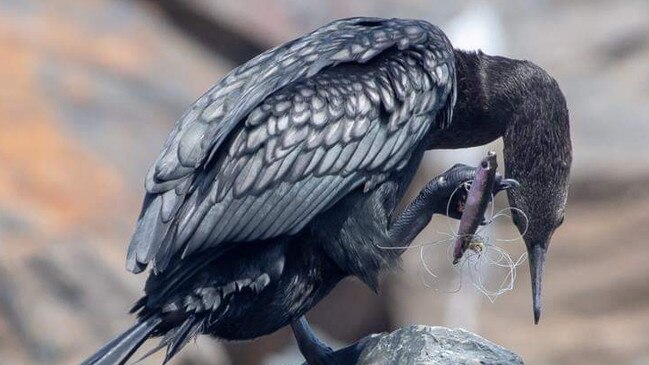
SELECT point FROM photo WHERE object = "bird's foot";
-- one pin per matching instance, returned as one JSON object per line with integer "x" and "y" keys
{"x": 452, "y": 188}
{"x": 321, "y": 357}
{"x": 314, "y": 351}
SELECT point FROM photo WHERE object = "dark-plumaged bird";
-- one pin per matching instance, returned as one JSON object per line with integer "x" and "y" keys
{"x": 284, "y": 177}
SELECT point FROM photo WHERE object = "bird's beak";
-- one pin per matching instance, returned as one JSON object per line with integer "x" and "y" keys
{"x": 536, "y": 253}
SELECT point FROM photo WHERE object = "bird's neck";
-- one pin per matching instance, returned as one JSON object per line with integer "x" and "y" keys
{"x": 496, "y": 98}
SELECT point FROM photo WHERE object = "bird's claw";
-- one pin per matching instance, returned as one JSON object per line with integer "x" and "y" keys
{"x": 504, "y": 184}
{"x": 458, "y": 182}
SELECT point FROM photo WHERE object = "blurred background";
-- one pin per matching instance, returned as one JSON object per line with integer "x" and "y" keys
{"x": 90, "y": 89}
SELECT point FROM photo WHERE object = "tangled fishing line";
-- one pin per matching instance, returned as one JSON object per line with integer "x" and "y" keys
{"x": 483, "y": 254}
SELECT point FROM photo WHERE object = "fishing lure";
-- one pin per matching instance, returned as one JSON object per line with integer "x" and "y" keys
{"x": 476, "y": 204}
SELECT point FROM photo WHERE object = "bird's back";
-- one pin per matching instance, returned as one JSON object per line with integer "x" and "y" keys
{"x": 288, "y": 134}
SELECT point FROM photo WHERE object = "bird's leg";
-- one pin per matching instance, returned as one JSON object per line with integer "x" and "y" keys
{"x": 434, "y": 199}
{"x": 314, "y": 351}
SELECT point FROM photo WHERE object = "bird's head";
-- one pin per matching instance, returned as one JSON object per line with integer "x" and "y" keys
{"x": 520, "y": 102}
{"x": 538, "y": 153}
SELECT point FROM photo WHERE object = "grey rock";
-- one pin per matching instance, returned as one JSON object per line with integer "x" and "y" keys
{"x": 426, "y": 345}
{"x": 435, "y": 345}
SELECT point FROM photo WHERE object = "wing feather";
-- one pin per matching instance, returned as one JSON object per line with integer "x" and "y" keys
{"x": 285, "y": 136}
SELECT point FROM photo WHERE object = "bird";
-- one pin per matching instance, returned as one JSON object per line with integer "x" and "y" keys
{"x": 285, "y": 177}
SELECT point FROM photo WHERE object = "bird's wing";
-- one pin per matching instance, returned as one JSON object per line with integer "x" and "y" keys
{"x": 287, "y": 134}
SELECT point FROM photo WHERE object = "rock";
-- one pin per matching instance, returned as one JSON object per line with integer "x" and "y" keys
{"x": 426, "y": 345}
{"x": 434, "y": 345}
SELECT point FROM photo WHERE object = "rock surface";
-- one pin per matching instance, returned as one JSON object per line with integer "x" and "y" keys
{"x": 434, "y": 345}
{"x": 426, "y": 345}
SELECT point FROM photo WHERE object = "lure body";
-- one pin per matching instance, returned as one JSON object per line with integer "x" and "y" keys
{"x": 476, "y": 204}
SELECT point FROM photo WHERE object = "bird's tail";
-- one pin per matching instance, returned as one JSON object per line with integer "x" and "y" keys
{"x": 120, "y": 349}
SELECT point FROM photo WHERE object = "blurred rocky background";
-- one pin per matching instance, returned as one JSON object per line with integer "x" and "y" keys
{"x": 90, "y": 88}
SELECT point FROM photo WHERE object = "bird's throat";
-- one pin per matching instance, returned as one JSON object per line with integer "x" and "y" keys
{"x": 503, "y": 97}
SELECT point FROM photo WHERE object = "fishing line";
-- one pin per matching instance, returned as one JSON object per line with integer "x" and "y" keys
{"x": 428, "y": 270}
{"x": 484, "y": 253}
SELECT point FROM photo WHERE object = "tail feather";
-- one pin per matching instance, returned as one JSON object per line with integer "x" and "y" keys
{"x": 175, "y": 339}
{"x": 188, "y": 330}
{"x": 120, "y": 349}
